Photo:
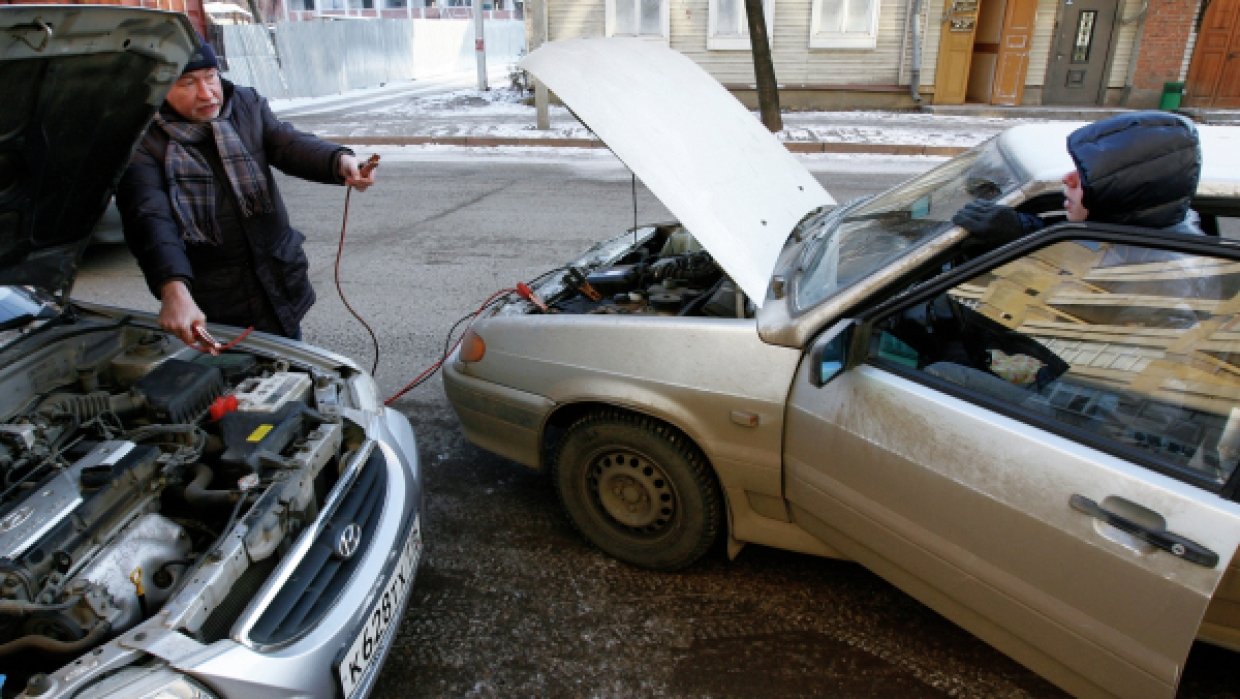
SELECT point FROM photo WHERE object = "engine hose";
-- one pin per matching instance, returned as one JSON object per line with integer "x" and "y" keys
{"x": 12, "y": 607}
{"x": 90, "y": 405}
{"x": 46, "y": 644}
{"x": 196, "y": 492}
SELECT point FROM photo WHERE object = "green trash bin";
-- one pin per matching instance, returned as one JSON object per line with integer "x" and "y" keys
{"x": 1171, "y": 96}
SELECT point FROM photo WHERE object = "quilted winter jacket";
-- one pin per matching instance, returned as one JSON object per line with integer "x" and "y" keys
{"x": 1138, "y": 169}
{"x": 265, "y": 251}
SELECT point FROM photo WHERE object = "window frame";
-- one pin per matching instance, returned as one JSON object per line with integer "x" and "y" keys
{"x": 820, "y": 38}
{"x": 1126, "y": 235}
{"x": 736, "y": 42}
{"x": 664, "y": 21}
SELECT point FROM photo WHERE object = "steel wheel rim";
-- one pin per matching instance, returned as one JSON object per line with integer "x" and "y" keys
{"x": 632, "y": 491}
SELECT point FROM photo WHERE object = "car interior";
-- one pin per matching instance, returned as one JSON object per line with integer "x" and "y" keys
{"x": 1095, "y": 338}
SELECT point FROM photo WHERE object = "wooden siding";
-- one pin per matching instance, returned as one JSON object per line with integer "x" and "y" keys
{"x": 798, "y": 65}
{"x": 570, "y": 19}
{"x": 795, "y": 63}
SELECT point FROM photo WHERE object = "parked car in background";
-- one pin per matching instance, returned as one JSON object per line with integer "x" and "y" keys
{"x": 1039, "y": 441}
{"x": 109, "y": 230}
{"x": 172, "y": 523}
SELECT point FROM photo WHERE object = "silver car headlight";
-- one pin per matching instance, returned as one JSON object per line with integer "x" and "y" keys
{"x": 136, "y": 683}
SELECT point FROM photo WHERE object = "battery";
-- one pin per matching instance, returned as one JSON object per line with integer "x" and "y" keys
{"x": 268, "y": 394}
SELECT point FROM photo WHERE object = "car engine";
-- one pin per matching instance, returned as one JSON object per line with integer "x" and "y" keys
{"x": 666, "y": 273}
{"x": 126, "y": 458}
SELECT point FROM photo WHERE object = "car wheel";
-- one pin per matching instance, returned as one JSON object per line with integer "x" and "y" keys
{"x": 638, "y": 490}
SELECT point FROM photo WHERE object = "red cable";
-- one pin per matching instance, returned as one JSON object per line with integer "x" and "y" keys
{"x": 344, "y": 224}
{"x": 431, "y": 369}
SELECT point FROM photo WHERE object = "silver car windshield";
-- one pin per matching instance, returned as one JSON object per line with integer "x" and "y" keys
{"x": 873, "y": 233}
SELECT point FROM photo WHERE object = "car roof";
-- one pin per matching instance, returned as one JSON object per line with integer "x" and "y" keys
{"x": 1026, "y": 146}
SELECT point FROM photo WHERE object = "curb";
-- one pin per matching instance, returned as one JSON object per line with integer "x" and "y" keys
{"x": 493, "y": 142}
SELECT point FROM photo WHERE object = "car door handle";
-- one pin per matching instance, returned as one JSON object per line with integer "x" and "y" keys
{"x": 1170, "y": 542}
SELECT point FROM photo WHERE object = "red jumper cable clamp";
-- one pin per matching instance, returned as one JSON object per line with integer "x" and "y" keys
{"x": 525, "y": 292}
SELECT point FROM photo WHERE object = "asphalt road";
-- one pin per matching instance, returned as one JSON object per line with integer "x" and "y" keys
{"x": 510, "y": 601}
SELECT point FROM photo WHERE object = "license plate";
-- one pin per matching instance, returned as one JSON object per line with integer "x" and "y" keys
{"x": 383, "y": 616}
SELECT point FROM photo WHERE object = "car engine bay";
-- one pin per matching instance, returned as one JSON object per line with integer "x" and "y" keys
{"x": 130, "y": 465}
{"x": 665, "y": 273}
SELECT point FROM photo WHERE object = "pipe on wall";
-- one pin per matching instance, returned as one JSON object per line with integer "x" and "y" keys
{"x": 915, "y": 70}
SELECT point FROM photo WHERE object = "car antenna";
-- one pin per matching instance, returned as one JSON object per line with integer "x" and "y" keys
{"x": 633, "y": 176}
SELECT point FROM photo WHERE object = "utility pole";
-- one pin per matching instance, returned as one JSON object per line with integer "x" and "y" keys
{"x": 538, "y": 36}
{"x": 763, "y": 67}
{"x": 480, "y": 48}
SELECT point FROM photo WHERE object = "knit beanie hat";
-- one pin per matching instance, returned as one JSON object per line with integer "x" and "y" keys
{"x": 202, "y": 57}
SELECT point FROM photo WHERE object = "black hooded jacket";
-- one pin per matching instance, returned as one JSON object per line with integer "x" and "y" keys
{"x": 258, "y": 275}
{"x": 1137, "y": 169}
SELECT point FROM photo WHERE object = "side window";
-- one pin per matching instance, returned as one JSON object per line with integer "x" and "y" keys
{"x": 729, "y": 24}
{"x": 1135, "y": 346}
{"x": 844, "y": 24}
{"x": 639, "y": 18}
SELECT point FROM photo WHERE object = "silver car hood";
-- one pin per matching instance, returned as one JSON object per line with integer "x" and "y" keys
{"x": 693, "y": 144}
{"x": 80, "y": 83}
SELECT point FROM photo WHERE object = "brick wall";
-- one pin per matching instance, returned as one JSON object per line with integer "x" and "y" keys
{"x": 1164, "y": 38}
{"x": 192, "y": 8}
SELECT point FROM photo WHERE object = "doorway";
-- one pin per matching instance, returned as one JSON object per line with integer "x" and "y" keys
{"x": 1081, "y": 52}
{"x": 984, "y": 51}
{"x": 1214, "y": 75}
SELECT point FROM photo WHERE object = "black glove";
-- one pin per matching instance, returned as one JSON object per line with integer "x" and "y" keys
{"x": 989, "y": 222}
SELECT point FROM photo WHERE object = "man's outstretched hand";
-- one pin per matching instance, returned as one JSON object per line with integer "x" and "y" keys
{"x": 355, "y": 174}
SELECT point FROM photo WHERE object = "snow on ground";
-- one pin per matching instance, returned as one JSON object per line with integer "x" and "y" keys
{"x": 451, "y": 107}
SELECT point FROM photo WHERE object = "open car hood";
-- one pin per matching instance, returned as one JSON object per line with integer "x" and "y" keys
{"x": 698, "y": 149}
{"x": 80, "y": 84}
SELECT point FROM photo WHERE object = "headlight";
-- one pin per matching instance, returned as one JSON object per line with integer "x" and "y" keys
{"x": 152, "y": 683}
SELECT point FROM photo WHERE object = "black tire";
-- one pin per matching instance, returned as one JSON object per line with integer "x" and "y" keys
{"x": 638, "y": 490}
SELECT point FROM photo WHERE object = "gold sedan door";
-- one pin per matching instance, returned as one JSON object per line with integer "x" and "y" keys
{"x": 1041, "y": 453}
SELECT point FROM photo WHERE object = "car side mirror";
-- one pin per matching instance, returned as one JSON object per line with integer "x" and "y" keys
{"x": 829, "y": 355}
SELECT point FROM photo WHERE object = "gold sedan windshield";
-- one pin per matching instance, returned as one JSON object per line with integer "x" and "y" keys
{"x": 876, "y": 232}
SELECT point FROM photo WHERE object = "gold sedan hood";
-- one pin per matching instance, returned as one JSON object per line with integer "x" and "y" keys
{"x": 699, "y": 150}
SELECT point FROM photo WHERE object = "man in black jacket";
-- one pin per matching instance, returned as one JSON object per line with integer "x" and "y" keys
{"x": 202, "y": 213}
{"x": 1139, "y": 169}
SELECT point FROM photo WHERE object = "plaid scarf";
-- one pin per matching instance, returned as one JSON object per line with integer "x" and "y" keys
{"x": 191, "y": 182}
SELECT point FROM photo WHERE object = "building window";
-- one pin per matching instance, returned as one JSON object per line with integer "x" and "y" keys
{"x": 641, "y": 18}
{"x": 844, "y": 24}
{"x": 729, "y": 24}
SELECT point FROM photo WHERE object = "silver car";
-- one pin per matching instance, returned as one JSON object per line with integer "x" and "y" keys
{"x": 172, "y": 523}
{"x": 1039, "y": 441}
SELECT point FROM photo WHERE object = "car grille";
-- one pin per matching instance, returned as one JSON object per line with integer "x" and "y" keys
{"x": 318, "y": 580}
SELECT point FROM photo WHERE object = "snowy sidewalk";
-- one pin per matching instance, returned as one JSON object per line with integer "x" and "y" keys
{"x": 449, "y": 112}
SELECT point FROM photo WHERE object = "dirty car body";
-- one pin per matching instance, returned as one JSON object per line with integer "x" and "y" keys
{"x": 172, "y": 523}
{"x": 1039, "y": 441}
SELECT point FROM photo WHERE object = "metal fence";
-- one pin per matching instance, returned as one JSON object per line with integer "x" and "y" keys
{"x": 314, "y": 59}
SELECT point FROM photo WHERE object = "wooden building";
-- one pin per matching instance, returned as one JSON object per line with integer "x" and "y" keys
{"x": 897, "y": 53}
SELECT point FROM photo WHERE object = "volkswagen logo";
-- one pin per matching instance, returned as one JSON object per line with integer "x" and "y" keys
{"x": 349, "y": 541}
